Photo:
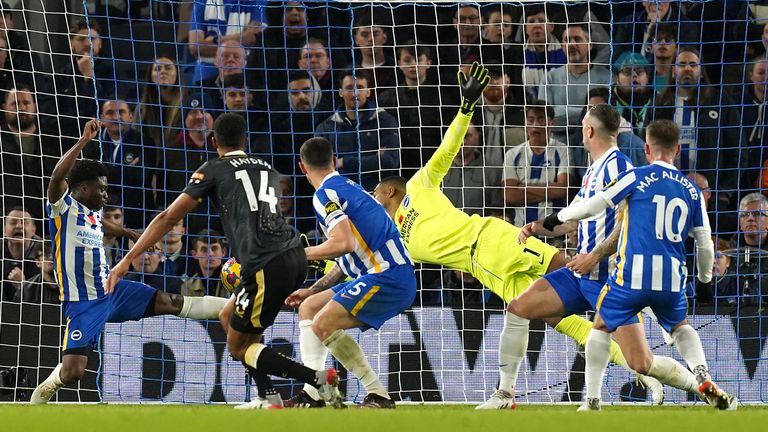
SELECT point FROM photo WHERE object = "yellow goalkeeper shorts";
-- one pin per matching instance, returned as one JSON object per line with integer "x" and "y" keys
{"x": 503, "y": 265}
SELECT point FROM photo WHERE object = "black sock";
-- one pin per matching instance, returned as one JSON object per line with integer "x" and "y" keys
{"x": 273, "y": 363}
{"x": 263, "y": 382}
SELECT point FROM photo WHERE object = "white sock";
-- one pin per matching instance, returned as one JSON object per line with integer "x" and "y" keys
{"x": 206, "y": 307}
{"x": 313, "y": 353}
{"x": 670, "y": 372}
{"x": 688, "y": 343}
{"x": 597, "y": 352}
{"x": 348, "y": 352}
{"x": 55, "y": 376}
{"x": 513, "y": 344}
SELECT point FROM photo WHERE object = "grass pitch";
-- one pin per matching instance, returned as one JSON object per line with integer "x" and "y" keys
{"x": 406, "y": 418}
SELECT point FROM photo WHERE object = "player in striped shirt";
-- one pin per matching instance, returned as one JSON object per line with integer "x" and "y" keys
{"x": 368, "y": 248}
{"x": 663, "y": 208}
{"x": 76, "y": 194}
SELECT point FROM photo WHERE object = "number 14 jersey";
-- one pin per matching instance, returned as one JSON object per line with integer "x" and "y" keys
{"x": 244, "y": 190}
{"x": 663, "y": 208}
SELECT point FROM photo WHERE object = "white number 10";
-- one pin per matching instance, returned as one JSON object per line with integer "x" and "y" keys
{"x": 266, "y": 194}
{"x": 664, "y": 218}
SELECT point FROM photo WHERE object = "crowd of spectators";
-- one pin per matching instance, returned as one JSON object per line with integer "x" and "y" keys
{"x": 380, "y": 83}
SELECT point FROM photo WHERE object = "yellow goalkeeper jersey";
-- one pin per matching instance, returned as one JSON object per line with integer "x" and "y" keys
{"x": 433, "y": 229}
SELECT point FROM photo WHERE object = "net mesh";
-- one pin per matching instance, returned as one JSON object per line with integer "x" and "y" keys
{"x": 158, "y": 74}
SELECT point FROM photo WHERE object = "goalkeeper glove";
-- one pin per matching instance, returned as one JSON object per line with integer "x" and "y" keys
{"x": 551, "y": 221}
{"x": 316, "y": 265}
{"x": 472, "y": 87}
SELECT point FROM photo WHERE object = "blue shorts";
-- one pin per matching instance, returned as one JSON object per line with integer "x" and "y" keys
{"x": 375, "y": 298}
{"x": 620, "y": 306}
{"x": 86, "y": 319}
{"x": 577, "y": 294}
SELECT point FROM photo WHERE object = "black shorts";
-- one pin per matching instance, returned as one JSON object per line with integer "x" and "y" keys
{"x": 262, "y": 295}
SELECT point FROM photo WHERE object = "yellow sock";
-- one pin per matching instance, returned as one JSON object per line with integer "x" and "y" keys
{"x": 252, "y": 354}
{"x": 577, "y": 328}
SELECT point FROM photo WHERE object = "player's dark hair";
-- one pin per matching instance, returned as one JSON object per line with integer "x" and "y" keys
{"x": 608, "y": 117}
{"x": 396, "y": 182}
{"x": 230, "y": 131}
{"x": 664, "y": 133}
{"x": 86, "y": 170}
{"x": 317, "y": 152}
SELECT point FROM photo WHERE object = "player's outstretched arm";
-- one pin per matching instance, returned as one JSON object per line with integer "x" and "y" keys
{"x": 340, "y": 241}
{"x": 159, "y": 227}
{"x": 537, "y": 228}
{"x": 58, "y": 185}
{"x": 585, "y": 262}
{"x": 330, "y": 279}
{"x": 472, "y": 88}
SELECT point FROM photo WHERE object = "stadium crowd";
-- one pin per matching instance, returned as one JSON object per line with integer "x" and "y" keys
{"x": 379, "y": 82}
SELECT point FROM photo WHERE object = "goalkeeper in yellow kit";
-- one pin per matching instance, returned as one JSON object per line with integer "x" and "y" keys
{"x": 436, "y": 232}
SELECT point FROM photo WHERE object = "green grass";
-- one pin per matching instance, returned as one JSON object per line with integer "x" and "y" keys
{"x": 406, "y": 418}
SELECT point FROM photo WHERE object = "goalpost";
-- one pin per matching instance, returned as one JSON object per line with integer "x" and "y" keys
{"x": 54, "y": 75}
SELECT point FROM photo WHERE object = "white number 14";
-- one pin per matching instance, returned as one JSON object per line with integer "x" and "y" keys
{"x": 266, "y": 194}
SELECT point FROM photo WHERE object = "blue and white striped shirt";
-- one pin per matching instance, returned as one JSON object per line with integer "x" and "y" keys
{"x": 378, "y": 245}
{"x": 594, "y": 230}
{"x": 663, "y": 207}
{"x": 79, "y": 260}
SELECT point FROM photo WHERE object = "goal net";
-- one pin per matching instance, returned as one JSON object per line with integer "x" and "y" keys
{"x": 379, "y": 81}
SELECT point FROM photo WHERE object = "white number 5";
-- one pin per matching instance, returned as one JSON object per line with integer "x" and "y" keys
{"x": 266, "y": 194}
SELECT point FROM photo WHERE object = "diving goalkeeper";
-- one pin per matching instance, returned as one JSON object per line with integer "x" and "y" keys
{"x": 436, "y": 232}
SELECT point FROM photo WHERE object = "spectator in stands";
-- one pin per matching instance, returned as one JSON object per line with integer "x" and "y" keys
{"x": 41, "y": 287}
{"x": 498, "y": 26}
{"x": 113, "y": 246}
{"x": 215, "y": 22}
{"x": 628, "y": 143}
{"x": 709, "y": 125}
{"x": 158, "y": 114}
{"x": 460, "y": 290}
{"x": 373, "y": 54}
{"x": 7, "y": 76}
{"x": 632, "y": 32}
{"x": 723, "y": 223}
{"x": 365, "y": 137}
{"x": 268, "y": 70}
{"x": 566, "y": 87}
{"x": 23, "y": 65}
{"x": 753, "y": 222}
{"x": 192, "y": 147}
{"x": 415, "y": 103}
{"x": 175, "y": 262}
{"x": 542, "y": 48}
{"x": 130, "y": 158}
{"x": 664, "y": 48}
{"x": 465, "y": 184}
{"x": 536, "y": 172}
{"x": 501, "y": 118}
{"x": 633, "y": 94}
{"x": 148, "y": 268}
{"x": 238, "y": 98}
{"x": 30, "y": 149}
{"x": 753, "y": 119}
{"x": 21, "y": 246}
{"x": 208, "y": 252}
{"x": 290, "y": 132}
{"x": 315, "y": 60}
{"x": 229, "y": 61}
{"x": 725, "y": 282}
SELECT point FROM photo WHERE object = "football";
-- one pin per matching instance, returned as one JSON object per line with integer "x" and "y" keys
{"x": 230, "y": 275}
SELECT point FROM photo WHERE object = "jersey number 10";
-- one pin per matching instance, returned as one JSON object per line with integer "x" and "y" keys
{"x": 266, "y": 194}
{"x": 665, "y": 218}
